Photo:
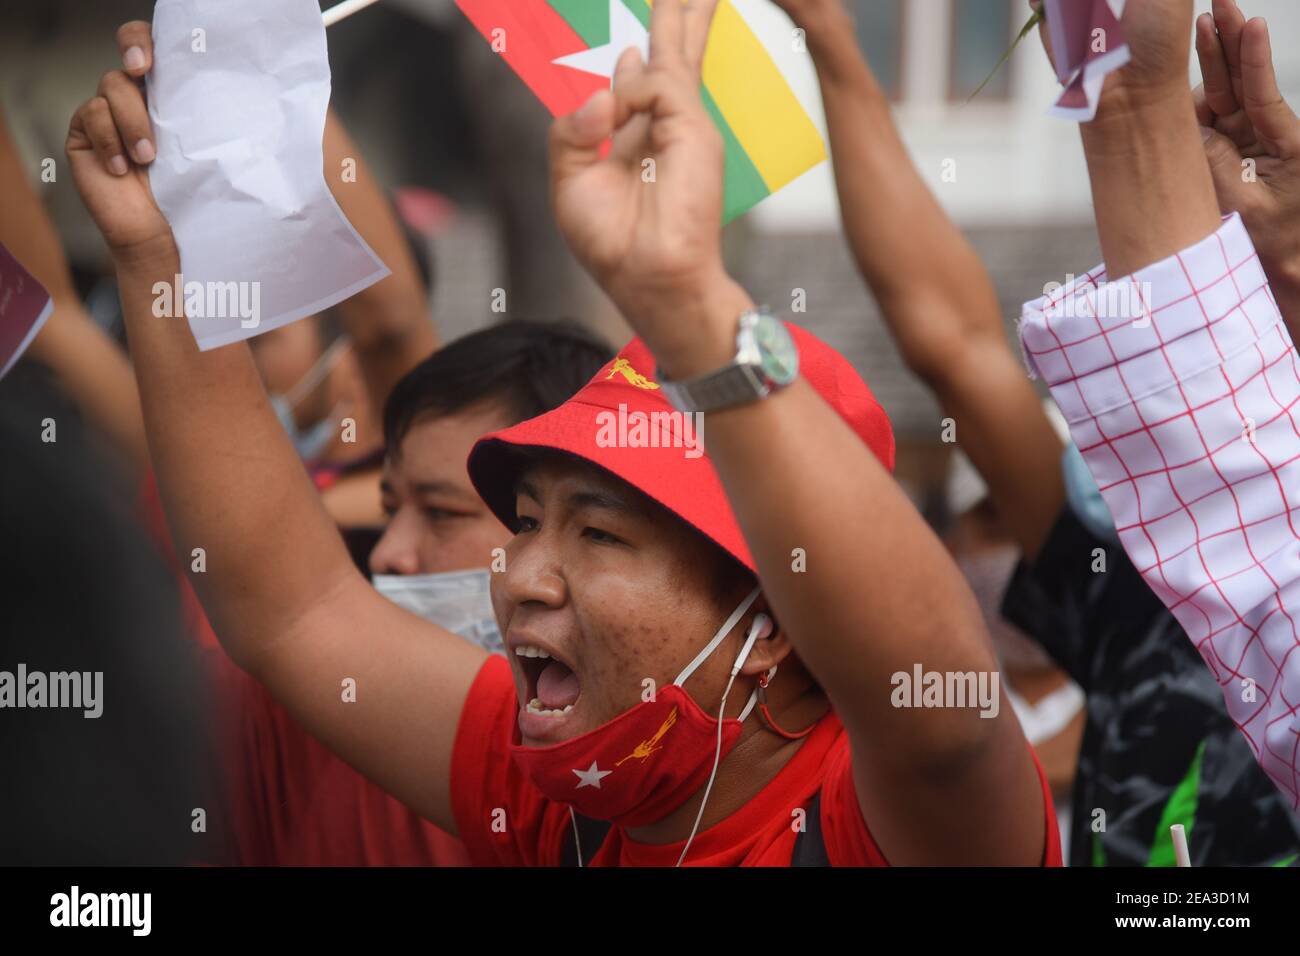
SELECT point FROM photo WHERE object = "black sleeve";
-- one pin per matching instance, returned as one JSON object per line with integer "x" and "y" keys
{"x": 1079, "y": 594}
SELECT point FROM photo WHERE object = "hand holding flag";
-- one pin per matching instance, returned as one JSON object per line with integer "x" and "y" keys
{"x": 1087, "y": 45}
{"x": 1157, "y": 32}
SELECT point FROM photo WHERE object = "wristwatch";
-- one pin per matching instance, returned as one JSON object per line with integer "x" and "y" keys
{"x": 766, "y": 361}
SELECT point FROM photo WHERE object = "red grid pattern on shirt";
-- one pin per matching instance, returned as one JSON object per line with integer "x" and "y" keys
{"x": 1233, "y": 648}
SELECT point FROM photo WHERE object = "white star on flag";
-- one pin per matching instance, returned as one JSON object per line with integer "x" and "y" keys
{"x": 591, "y": 776}
{"x": 625, "y": 31}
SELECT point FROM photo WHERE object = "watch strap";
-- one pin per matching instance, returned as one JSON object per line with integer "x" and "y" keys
{"x": 734, "y": 384}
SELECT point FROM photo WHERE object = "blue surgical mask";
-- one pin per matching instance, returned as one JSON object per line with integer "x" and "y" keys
{"x": 458, "y": 601}
{"x": 309, "y": 442}
{"x": 314, "y": 439}
{"x": 1085, "y": 497}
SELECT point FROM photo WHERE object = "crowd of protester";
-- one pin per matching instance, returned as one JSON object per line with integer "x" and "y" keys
{"x": 471, "y": 632}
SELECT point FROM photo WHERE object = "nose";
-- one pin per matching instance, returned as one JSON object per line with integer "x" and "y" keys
{"x": 398, "y": 550}
{"x": 533, "y": 573}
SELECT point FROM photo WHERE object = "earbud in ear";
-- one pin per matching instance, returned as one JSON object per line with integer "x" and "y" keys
{"x": 762, "y": 626}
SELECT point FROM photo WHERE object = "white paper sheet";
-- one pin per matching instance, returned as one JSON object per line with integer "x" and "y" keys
{"x": 238, "y": 96}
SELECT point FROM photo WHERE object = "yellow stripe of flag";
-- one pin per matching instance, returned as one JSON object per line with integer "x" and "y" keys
{"x": 767, "y": 118}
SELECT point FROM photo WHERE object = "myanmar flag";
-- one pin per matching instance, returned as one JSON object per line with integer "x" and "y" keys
{"x": 565, "y": 50}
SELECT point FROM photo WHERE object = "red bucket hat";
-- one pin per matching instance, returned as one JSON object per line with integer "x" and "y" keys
{"x": 621, "y": 422}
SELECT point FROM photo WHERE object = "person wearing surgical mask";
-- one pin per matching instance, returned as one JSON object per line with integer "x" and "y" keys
{"x": 299, "y": 804}
{"x": 314, "y": 376}
{"x": 441, "y": 539}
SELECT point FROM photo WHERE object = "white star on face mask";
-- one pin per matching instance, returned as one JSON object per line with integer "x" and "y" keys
{"x": 625, "y": 31}
{"x": 591, "y": 776}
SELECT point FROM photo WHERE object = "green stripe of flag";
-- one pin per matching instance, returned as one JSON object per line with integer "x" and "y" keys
{"x": 743, "y": 187}
{"x": 743, "y": 184}
{"x": 588, "y": 18}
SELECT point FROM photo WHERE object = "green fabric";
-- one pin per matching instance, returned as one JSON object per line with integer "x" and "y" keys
{"x": 589, "y": 20}
{"x": 1181, "y": 808}
{"x": 1098, "y": 851}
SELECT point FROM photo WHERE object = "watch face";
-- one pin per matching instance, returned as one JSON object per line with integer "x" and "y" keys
{"x": 780, "y": 356}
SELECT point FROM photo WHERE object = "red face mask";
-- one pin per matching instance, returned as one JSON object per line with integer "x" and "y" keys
{"x": 647, "y": 761}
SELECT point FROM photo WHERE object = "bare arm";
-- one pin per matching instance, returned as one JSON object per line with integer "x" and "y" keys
{"x": 933, "y": 290}
{"x": 279, "y": 587}
{"x": 389, "y": 322}
{"x": 1151, "y": 183}
{"x": 862, "y": 612}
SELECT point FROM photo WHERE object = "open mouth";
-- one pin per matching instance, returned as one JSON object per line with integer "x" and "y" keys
{"x": 551, "y": 688}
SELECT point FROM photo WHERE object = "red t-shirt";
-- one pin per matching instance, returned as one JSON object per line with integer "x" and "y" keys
{"x": 285, "y": 799}
{"x": 484, "y": 781}
{"x": 291, "y": 802}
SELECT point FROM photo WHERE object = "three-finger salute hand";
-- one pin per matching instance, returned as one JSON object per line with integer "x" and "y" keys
{"x": 645, "y": 218}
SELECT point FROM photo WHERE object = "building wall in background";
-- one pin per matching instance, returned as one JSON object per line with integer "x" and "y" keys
{"x": 1015, "y": 165}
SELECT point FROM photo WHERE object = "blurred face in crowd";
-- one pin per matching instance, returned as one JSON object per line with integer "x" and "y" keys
{"x": 284, "y": 356}
{"x": 615, "y": 589}
{"x": 436, "y": 520}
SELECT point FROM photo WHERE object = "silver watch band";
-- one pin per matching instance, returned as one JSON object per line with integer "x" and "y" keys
{"x": 732, "y": 385}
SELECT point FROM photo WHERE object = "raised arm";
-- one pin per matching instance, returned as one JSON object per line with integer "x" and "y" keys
{"x": 389, "y": 323}
{"x": 862, "y": 612}
{"x": 90, "y": 367}
{"x": 1151, "y": 183}
{"x": 1179, "y": 380}
{"x": 934, "y": 293}
{"x": 279, "y": 586}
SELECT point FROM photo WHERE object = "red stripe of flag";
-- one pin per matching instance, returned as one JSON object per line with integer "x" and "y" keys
{"x": 535, "y": 35}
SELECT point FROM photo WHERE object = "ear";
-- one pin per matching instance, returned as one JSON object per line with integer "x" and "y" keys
{"x": 772, "y": 646}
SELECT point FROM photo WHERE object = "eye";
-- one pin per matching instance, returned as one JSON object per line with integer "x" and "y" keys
{"x": 440, "y": 514}
{"x": 603, "y": 537}
{"x": 524, "y": 523}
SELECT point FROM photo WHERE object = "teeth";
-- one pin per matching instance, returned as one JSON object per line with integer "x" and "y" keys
{"x": 524, "y": 650}
{"x": 535, "y": 707}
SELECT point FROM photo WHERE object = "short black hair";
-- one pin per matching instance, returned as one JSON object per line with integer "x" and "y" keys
{"x": 526, "y": 367}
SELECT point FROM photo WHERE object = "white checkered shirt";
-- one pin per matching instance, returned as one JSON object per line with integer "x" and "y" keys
{"x": 1181, "y": 384}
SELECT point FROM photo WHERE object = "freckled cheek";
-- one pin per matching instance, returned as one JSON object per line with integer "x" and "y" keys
{"x": 630, "y": 653}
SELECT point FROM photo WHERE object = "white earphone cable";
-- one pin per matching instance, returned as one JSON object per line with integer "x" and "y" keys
{"x": 760, "y": 622}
